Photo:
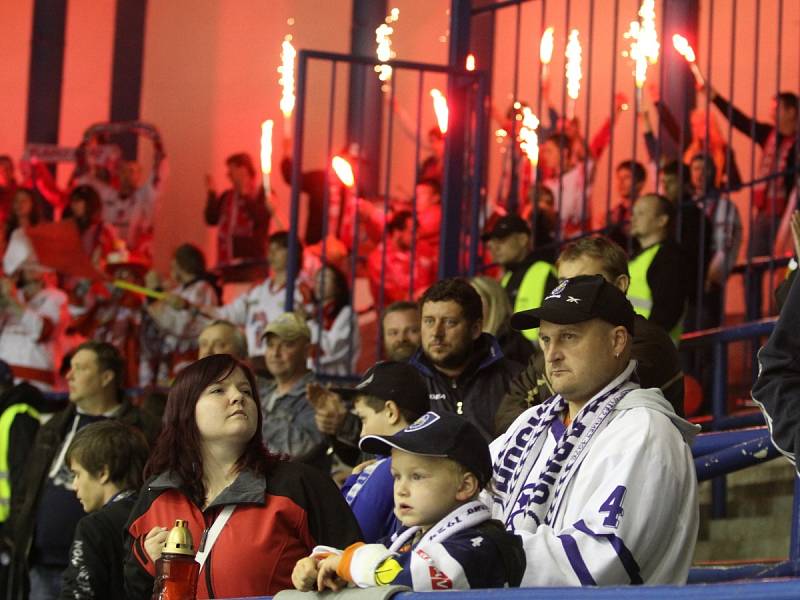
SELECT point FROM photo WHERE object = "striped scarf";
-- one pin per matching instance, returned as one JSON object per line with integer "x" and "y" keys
{"x": 541, "y": 499}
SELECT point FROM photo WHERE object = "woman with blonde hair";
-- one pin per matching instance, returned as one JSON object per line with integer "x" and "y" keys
{"x": 497, "y": 319}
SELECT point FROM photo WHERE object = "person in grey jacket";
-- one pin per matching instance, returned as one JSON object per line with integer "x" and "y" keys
{"x": 288, "y": 427}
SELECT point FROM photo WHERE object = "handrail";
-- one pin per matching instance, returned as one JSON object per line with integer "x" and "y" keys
{"x": 731, "y": 333}
{"x": 709, "y": 443}
{"x": 734, "y": 458}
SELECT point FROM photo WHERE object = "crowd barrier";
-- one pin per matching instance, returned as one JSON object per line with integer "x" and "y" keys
{"x": 774, "y": 590}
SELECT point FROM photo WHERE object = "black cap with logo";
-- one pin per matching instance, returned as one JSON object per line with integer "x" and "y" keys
{"x": 392, "y": 380}
{"x": 505, "y": 226}
{"x": 579, "y": 299}
{"x": 440, "y": 435}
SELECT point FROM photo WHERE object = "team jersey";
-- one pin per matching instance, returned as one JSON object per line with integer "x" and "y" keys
{"x": 257, "y": 307}
{"x": 336, "y": 345}
{"x": 609, "y": 500}
{"x": 31, "y": 341}
{"x": 370, "y": 495}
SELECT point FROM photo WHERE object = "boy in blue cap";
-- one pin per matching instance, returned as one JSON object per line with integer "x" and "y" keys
{"x": 440, "y": 464}
{"x": 390, "y": 397}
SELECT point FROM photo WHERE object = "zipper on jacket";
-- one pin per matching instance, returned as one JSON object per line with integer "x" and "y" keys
{"x": 207, "y": 566}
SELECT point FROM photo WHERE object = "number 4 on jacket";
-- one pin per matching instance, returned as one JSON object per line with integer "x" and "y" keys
{"x": 613, "y": 506}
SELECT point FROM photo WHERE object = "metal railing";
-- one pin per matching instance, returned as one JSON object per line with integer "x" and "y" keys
{"x": 719, "y": 339}
{"x": 459, "y": 243}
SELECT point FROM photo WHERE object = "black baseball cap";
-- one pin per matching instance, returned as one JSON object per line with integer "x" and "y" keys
{"x": 505, "y": 226}
{"x": 393, "y": 380}
{"x": 441, "y": 435}
{"x": 579, "y": 299}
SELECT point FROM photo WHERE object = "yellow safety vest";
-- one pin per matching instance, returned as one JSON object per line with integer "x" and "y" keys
{"x": 639, "y": 293}
{"x": 6, "y": 421}
{"x": 531, "y": 291}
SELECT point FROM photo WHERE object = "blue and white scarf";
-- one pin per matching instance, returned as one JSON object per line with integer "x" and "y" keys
{"x": 541, "y": 499}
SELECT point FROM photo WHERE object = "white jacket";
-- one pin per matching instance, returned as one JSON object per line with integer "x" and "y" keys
{"x": 629, "y": 511}
{"x": 32, "y": 340}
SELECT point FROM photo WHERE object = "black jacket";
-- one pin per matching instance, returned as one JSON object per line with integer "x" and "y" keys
{"x": 24, "y": 501}
{"x": 97, "y": 554}
{"x": 477, "y": 392}
{"x": 777, "y": 389}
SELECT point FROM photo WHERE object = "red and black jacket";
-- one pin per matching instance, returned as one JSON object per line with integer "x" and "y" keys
{"x": 278, "y": 520}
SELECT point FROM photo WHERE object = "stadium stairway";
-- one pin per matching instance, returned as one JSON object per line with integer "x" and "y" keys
{"x": 759, "y": 514}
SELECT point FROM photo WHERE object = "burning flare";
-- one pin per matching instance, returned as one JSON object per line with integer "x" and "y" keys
{"x": 440, "y": 108}
{"x": 529, "y": 139}
{"x": 685, "y": 49}
{"x": 288, "y": 54}
{"x": 546, "y": 46}
{"x": 343, "y": 170}
{"x": 383, "y": 37}
{"x": 470, "y": 62}
{"x": 573, "y": 69}
{"x": 266, "y": 151}
{"x": 644, "y": 46}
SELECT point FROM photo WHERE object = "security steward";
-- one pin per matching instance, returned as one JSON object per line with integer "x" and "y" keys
{"x": 528, "y": 277}
{"x": 659, "y": 286}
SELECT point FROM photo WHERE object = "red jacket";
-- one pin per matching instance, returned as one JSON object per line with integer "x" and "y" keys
{"x": 398, "y": 271}
{"x": 278, "y": 520}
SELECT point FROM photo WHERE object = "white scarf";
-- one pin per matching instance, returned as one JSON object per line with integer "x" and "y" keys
{"x": 463, "y": 517}
{"x": 542, "y": 498}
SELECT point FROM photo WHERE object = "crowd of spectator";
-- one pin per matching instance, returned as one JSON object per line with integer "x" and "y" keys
{"x": 234, "y": 407}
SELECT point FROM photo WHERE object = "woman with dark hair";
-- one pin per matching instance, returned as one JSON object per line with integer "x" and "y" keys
{"x": 334, "y": 333}
{"x": 209, "y": 466}
{"x": 85, "y": 209}
{"x": 24, "y": 212}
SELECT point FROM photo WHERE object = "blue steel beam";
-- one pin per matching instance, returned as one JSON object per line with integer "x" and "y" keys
{"x": 735, "y": 458}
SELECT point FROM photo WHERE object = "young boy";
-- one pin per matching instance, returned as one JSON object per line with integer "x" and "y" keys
{"x": 389, "y": 397}
{"x": 440, "y": 463}
{"x": 107, "y": 459}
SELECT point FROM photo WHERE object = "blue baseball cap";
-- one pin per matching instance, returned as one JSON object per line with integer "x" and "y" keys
{"x": 441, "y": 435}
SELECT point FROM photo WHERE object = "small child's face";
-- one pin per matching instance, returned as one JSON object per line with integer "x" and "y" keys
{"x": 372, "y": 422}
{"x": 88, "y": 488}
{"x": 426, "y": 488}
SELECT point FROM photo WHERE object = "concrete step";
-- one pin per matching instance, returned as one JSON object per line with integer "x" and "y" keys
{"x": 759, "y": 511}
{"x": 746, "y": 538}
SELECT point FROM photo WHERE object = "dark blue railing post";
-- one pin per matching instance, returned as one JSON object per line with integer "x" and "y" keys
{"x": 293, "y": 266}
{"x": 477, "y": 168}
{"x": 794, "y": 542}
{"x": 46, "y": 71}
{"x": 719, "y": 493}
{"x": 453, "y": 192}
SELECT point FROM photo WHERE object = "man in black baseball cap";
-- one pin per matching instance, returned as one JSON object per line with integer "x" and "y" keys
{"x": 580, "y": 299}
{"x": 574, "y": 466}
{"x": 585, "y": 331}
{"x": 528, "y": 274}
